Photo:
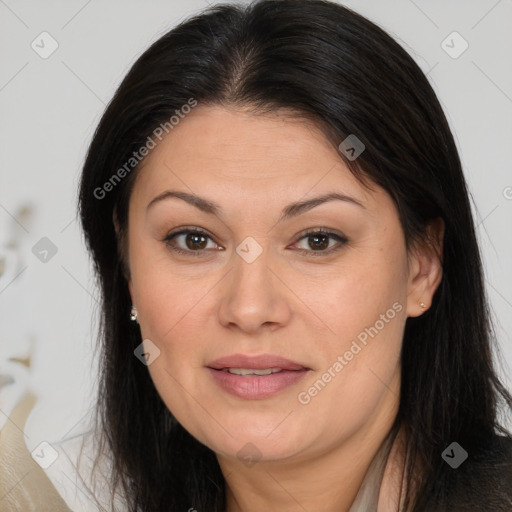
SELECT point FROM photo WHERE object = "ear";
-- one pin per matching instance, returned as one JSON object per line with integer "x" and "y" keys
{"x": 425, "y": 268}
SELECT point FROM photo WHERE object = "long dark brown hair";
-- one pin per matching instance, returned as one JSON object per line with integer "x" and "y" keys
{"x": 330, "y": 65}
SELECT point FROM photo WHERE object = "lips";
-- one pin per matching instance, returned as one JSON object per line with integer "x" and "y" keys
{"x": 260, "y": 362}
{"x": 255, "y": 377}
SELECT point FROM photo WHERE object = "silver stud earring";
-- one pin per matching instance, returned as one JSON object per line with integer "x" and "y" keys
{"x": 133, "y": 314}
{"x": 423, "y": 305}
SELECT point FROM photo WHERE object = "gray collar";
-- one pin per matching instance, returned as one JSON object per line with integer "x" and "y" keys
{"x": 367, "y": 498}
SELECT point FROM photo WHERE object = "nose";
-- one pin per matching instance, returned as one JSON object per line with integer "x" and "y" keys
{"x": 254, "y": 295}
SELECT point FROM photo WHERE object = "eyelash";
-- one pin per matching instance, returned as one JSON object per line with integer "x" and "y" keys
{"x": 342, "y": 240}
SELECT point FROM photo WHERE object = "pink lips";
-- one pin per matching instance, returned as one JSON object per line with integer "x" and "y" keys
{"x": 255, "y": 386}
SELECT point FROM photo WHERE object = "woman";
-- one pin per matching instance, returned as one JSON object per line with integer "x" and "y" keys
{"x": 294, "y": 314}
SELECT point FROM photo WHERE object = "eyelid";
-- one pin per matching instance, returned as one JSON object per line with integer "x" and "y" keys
{"x": 184, "y": 230}
{"x": 333, "y": 234}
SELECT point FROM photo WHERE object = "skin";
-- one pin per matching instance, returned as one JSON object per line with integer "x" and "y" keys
{"x": 308, "y": 307}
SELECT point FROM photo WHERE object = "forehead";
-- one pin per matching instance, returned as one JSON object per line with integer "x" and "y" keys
{"x": 241, "y": 138}
{"x": 222, "y": 152}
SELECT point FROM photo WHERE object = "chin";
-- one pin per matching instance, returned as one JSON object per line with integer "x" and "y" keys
{"x": 249, "y": 442}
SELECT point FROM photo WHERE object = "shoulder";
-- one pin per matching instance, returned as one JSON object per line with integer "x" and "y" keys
{"x": 61, "y": 476}
{"x": 25, "y": 484}
{"x": 483, "y": 481}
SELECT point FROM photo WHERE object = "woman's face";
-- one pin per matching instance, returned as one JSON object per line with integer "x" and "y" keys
{"x": 256, "y": 284}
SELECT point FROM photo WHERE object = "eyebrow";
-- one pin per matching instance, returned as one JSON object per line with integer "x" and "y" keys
{"x": 292, "y": 210}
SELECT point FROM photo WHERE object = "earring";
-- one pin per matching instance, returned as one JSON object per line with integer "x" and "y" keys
{"x": 423, "y": 305}
{"x": 133, "y": 314}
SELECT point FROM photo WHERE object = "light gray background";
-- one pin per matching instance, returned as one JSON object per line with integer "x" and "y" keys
{"x": 50, "y": 107}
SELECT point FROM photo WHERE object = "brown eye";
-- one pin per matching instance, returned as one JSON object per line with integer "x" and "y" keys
{"x": 318, "y": 241}
{"x": 189, "y": 241}
{"x": 195, "y": 241}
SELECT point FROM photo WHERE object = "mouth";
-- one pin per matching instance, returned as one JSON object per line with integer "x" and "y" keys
{"x": 251, "y": 371}
{"x": 255, "y": 377}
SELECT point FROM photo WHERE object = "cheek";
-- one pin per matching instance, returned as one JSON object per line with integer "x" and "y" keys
{"x": 171, "y": 306}
{"x": 162, "y": 293}
{"x": 364, "y": 309}
{"x": 361, "y": 291}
